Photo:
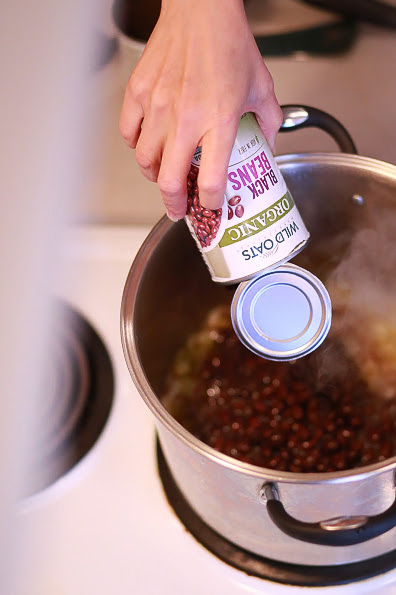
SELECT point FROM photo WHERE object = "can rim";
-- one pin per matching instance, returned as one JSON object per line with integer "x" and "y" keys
{"x": 238, "y": 316}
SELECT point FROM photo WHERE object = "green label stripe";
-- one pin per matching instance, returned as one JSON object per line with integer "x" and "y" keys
{"x": 258, "y": 222}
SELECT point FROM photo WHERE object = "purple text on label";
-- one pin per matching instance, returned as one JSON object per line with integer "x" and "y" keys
{"x": 261, "y": 185}
{"x": 252, "y": 170}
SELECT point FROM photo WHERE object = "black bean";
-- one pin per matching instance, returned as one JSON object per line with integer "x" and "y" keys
{"x": 271, "y": 415}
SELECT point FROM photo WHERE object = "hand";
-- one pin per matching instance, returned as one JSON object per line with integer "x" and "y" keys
{"x": 199, "y": 72}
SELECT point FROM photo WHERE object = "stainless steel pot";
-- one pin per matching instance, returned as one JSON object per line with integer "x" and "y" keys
{"x": 317, "y": 519}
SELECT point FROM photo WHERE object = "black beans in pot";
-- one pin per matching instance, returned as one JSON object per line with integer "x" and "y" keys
{"x": 278, "y": 415}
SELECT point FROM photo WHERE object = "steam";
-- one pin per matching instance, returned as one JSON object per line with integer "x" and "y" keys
{"x": 363, "y": 294}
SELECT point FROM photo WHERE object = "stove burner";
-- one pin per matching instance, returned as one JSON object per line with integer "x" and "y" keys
{"x": 265, "y": 568}
{"x": 76, "y": 398}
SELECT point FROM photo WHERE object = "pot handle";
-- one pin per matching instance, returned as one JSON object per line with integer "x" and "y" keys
{"x": 303, "y": 116}
{"x": 341, "y": 531}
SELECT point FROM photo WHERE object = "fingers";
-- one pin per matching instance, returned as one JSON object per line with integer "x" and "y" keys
{"x": 269, "y": 117}
{"x": 148, "y": 153}
{"x": 172, "y": 178}
{"x": 142, "y": 126}
{"x": 165, "y": 158}
{"x": 131, "y": 118}
{"x": 217, "y": 145}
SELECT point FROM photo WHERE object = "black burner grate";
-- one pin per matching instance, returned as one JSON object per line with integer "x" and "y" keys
{"x": 75, "y": 400}
{"x": 265, "y": 568}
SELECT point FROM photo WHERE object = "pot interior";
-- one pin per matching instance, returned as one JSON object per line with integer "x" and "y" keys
{"x": 347, "y": 203}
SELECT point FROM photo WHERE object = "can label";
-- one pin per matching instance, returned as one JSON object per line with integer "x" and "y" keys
{"x": 259, "y": 225}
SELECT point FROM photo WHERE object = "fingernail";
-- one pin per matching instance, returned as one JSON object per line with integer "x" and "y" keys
{"x": 172, "y": 217}
{"x": 213, "y": 206}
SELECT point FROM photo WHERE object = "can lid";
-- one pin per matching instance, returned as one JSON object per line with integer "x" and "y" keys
{"x": 283, "y": 314}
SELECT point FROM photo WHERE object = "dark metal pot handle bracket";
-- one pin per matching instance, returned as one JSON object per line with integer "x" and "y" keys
{"x": 303, "y": 116}
{"x": 340, "y": 531}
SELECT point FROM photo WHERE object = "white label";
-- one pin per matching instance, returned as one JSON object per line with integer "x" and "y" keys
{"x": 259, "y": 225}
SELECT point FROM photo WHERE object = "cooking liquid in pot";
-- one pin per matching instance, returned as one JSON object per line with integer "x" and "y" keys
{"x": 290, "y": 416}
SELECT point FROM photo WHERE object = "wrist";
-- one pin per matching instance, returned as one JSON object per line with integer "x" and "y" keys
{"x": 203, "y": 4}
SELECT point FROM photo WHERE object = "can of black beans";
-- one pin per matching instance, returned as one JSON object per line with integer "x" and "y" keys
{"x": 259, "y": 226}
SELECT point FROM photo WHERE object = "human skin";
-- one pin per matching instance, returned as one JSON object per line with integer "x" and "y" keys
{"x": 199, "y": 72}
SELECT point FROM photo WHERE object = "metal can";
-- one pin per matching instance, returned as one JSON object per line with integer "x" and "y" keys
{"x": 283, "y": 314}
{"x": 259, "y": 226}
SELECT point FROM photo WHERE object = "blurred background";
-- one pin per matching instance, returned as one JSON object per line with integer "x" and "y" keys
{"x": 339, "y": 61}
{"x": 64, "y": 70}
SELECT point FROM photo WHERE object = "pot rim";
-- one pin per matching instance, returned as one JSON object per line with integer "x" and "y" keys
{"x": 368, "y": 164}
{"x": 152, "y": 401}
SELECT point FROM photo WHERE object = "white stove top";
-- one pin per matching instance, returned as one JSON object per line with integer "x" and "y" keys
{"x": 106, "y": 527}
